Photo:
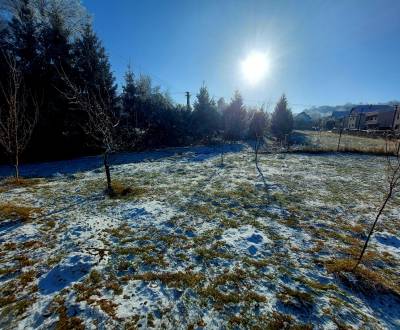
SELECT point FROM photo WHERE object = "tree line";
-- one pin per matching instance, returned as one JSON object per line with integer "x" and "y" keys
{"x": 59, "y": 99}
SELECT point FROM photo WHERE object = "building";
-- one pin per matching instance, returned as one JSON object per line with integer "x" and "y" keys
{"x": 303, "y": 121}
{"x": 371, "y": 117}
{"x": 340, "y": 119}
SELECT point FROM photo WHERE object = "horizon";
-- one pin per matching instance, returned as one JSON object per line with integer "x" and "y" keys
{"x": 180, "y": 45}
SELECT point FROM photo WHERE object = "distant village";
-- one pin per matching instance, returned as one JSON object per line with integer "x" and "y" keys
{"x": 367, "y": 118}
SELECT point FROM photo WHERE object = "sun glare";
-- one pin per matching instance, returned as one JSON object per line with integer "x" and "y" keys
{"x": 255, "y": 67}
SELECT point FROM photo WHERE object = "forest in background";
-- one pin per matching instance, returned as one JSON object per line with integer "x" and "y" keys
{"x": 67, "y": 104}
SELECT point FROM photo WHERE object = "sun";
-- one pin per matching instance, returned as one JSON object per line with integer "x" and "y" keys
{"x": 255, "y": 67}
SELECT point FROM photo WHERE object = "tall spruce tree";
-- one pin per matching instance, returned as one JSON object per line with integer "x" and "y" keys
{"x": 205, "y": 116}
{"x": 282, "y": 119}
{"x": 52, "y": 130}
{"x": 129, "y": 99}
{"x": 234, "y": 117}
{"x": 144, "y": 102}
{"x": 91, "y": 73}
{"x": 24, "y": 41}
{"x": 92, "y": 65}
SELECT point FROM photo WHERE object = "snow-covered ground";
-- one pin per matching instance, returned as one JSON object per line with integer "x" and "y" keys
{"x": 196, "y": 244}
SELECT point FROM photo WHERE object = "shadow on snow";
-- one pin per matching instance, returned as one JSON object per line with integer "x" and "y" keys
{"x": 68, "y": 167}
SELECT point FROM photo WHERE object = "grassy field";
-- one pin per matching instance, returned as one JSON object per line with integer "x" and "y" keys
{"x": 328, "y": 141}
{"x": 193, "y": 244}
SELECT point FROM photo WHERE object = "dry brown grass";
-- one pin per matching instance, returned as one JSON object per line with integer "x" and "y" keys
{"x": 27, "y": 277}
{"x": 295, "y": 298}
{"x": 115, "y": 287}
{"x": 11, "y": 183}
{"x": 84, "y": 291}
{"x": 349, "y": 144}
{"x": 24, "y": 261}
{"x": 278, "y": 321}
{"x": 179, "y": 279}
{"x": 108, "y": 307}
{"x": 220, "y": 298}
{"x": 95, "y": 277}
{"x": 362, "y": 279}
{"x": 120, "y": 190}
{"x": 64, "y": 321}
{"x": 9, "y": 299}
{"x": 32, "y": 244}
{"x": 10, "y": 211}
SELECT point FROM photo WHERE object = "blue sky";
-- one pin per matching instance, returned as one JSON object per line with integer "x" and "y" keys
{"x": 320, "y": 52}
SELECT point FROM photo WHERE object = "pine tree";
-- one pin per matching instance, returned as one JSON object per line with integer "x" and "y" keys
{"x": 128, "y": 99}
{"x": 205, "y": 116}
{"x": 54, "y": 118}
{"x": 282, "y": 119}
{"x": 91, "y": 72}
{"x": 144, "y": 103}
{"x": 23, "y": 38}
{"x": 221, "y": 105}
{"x": 235, "y": 118}
{"x": 92, "y": 65}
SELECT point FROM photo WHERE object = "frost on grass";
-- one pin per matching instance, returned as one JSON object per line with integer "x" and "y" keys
{"x": 186, "y": 243}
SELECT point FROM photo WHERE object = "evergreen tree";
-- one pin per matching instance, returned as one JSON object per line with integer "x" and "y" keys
{"x": 128, "y": 99}
{"x": 235, "y": 118}
{"x": 221, "y": 105}
{"x": 282, "y": 119}
{"x": 205, "y": 118}
{"x": 91, "y": 72}
{"x": 21, "y": 41}
{"x": 144, "y": 104}
{"x": 53, "y": 124}
{"x": 23, "y": 33}
{"x": 92, "y": 66}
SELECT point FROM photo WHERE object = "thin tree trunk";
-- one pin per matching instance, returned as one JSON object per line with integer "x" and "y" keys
{"x": 340, "y": 137}
{"x": 256, "y": 149}
{"x": 108, "y": 175}
{"x": 389, "y": 195}
{"x": 16, "y": 167}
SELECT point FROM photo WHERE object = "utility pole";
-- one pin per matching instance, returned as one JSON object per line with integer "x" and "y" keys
{"x": 187, "y": 100}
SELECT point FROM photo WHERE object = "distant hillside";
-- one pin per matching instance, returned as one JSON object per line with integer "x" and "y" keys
{"x": 327, "y": 110}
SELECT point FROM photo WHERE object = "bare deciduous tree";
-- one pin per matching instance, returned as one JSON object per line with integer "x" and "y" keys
{"x": 392, "y": 172}
{"x": 102, "y": 120}
{"x": 18, "y": 113}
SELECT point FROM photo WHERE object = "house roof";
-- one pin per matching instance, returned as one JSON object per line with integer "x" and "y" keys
{"x": 303, "y": 116}
{"x": 340, "y": 114}
{"x": 371, "y": 108}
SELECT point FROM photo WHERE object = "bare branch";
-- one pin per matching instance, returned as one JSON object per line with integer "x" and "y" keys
{"x": 17, "y": 120}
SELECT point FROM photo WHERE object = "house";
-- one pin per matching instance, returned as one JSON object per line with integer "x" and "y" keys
{"x": 340, "y": 118}
{"x": 371, "y": 117}
{"x": 303, "y": 121}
